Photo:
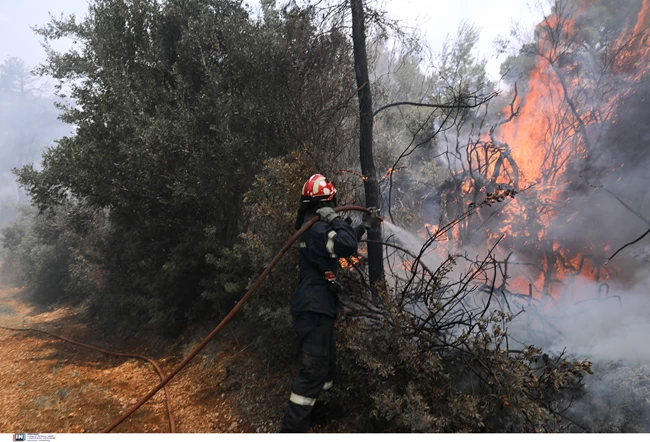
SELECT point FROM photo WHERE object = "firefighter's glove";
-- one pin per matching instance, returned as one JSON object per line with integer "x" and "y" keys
{"x": 327, "y": 214}
{"x": 369, "y": 219}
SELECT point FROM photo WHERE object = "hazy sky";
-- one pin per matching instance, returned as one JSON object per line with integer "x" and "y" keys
{"x": 435, "y": 18}
{"x": 438, "y": 18}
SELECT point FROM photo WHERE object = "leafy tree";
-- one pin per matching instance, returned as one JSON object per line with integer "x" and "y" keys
{"x": 177, "y": 104}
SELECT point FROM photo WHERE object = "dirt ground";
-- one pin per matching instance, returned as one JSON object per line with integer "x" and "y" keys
{"x": 51, "y": 386}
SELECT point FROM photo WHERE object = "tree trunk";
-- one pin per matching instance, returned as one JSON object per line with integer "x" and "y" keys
{"x": 375, "y": 250}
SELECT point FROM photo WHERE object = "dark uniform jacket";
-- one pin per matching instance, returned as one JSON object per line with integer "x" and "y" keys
{"x": 321, "y": 246}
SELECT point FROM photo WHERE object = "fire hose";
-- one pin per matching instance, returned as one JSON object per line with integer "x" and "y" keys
{"x": 227, "y": 319}
{"x": 165, "y": 379}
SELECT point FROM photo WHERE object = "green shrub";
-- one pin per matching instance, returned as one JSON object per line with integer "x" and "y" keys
{"x": 51, "y": 255}
{"x": 164, "y": 151}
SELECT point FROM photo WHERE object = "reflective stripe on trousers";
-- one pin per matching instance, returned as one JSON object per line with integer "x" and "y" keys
{"x": 302, "y": 400}
{"x": 308, "y": 401}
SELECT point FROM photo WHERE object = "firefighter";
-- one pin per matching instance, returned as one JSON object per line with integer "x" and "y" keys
{"x": 315, "y": 302}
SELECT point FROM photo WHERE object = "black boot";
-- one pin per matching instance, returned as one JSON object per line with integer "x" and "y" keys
{"x": 324, "y": 412}
{"x": 296, "y": 419}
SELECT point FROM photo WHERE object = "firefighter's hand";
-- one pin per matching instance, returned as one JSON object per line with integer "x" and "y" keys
{"x": 327, "y": 214}
{"x": 369, "y": 218}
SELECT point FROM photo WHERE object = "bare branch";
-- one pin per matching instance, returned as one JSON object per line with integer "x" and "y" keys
{"x": 627, "y": 245}
{"x": 478, "y": 101}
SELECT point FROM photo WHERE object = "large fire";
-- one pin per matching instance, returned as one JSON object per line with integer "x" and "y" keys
{"x": 556, "y": 128}
{"x": 569, "y": 97}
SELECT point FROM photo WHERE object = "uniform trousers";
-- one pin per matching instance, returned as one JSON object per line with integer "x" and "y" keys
{"x": 317, "y": 367}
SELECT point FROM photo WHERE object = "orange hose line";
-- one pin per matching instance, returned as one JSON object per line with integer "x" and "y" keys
{"x": 172, "y": 423}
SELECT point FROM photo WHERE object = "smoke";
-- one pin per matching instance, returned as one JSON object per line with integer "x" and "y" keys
{"x": 612, "y": 332}
{"x": 590, "y": 198}
{"x": 610, "y": 325}
{"x": 28, "y": 124}
{"x": 614, "y": 327}
{"x": 610, "y": 329}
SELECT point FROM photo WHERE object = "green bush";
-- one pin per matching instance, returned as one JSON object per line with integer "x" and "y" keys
{"x": 52, "y": 255}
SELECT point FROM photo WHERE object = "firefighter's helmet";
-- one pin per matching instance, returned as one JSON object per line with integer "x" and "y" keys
{"x": 318, "y": 188}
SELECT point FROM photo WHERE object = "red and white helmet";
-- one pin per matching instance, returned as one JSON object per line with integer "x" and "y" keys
{"x": 319, "y": 188}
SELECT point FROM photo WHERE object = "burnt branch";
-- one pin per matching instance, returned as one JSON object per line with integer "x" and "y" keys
{"x": 462, "y": 103}
{"x": 627, "y": 245}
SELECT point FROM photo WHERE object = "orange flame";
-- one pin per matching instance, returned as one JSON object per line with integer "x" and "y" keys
{"x": 547, "y": 136}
